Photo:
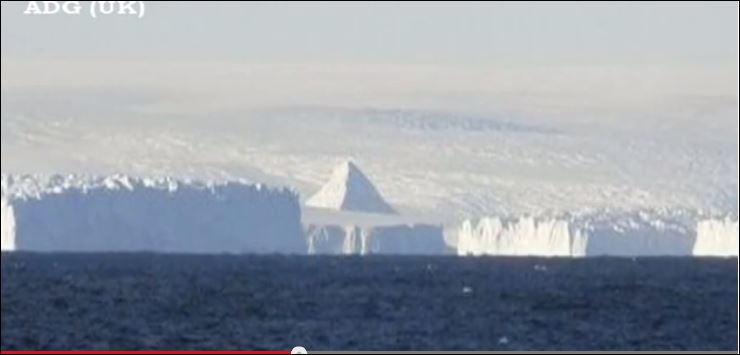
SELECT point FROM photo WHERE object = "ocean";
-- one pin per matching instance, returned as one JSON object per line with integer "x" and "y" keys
{"x": 228, "y": 302}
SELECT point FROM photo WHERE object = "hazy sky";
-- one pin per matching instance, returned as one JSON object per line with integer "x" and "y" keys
{"x": 386, "y": 53}
{"x": 457, "y": 33}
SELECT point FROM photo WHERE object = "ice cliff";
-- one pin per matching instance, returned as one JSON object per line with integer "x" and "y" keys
{"x": 523, "y": 236}
{"x": 717, "y": 237}
{"x": 411, "y": 239}
{"x": 7, "y": 240}
{"x": 124, "y": 214}
{"x": 628, "y": 234}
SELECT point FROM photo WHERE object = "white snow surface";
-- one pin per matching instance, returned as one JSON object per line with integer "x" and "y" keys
{"x": 617, "y": 234}
{"x": 127, "y": 214}
{"x": 409, "y": 239}
{"x": 717, "y": 237}
{"x": 348, "y": 189}
{"x": 454, "y": 163}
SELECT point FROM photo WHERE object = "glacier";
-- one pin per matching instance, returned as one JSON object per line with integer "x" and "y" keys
{"x": 627, "y": 234}
{"x": 401, "y": 239}
{"x": 717, "y": 237}
{"x": 125, "y": 214}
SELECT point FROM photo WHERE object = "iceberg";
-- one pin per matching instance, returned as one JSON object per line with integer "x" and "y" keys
{"x": 125, "y": 214}
{"x": 7, "y": 236}
{"x": 717, "y": 237}
{"x": 348, "y": 189}
{"x": 520, "y": 237}
{"x": 628, "y": 234}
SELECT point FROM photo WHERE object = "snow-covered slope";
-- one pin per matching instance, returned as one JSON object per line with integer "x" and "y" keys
{"x": 119, "y": 213}
{"x": 717, "y": 237}
{"x": 348, "y": 189}
{"x": 628, "y": 234}
{"x": 415, "y": 239}
{"x": 531, "y": 161}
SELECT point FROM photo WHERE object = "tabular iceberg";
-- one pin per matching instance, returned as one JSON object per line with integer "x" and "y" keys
{"x": 123, "y": 214}
{"x": 523, "y": 236}
{"x": 632, "y": 234}
{"x": 717, "y": 237}
{"x": 412, "y": 239}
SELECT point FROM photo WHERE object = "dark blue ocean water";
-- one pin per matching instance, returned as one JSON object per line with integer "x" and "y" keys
{"x": 142, "y": 301}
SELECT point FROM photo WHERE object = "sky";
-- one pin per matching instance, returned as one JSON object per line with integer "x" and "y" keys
{"x": 419, "y": 33}
{"x": 553, "y": 56}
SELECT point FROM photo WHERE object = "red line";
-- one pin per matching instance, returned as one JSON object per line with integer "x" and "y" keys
{"x": 142, "y": 352}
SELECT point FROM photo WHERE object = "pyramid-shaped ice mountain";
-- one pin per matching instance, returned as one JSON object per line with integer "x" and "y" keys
{"x": 349, "y": 189}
